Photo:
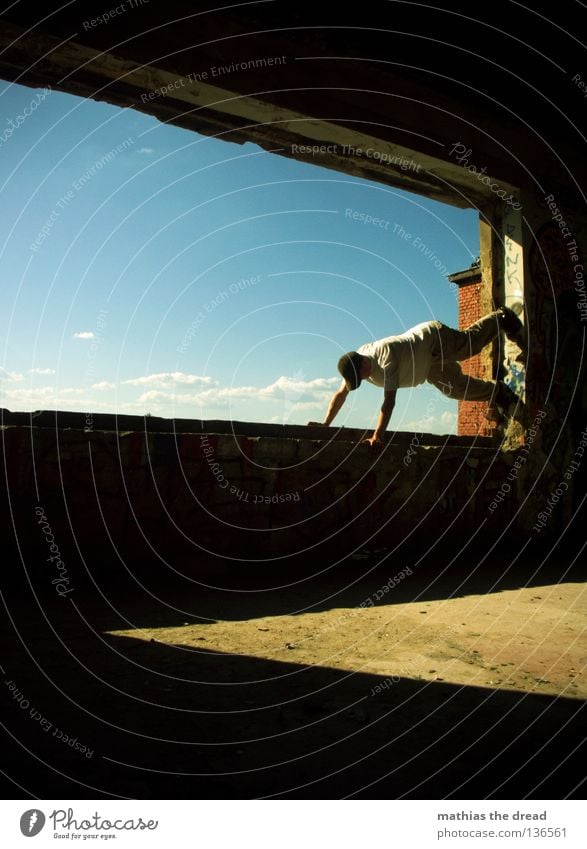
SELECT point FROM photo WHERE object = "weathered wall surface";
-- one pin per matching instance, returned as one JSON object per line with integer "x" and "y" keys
{"x": 128, "y": 497}
{"x": 555, "y": 246}
{"x": 197, "y": 68}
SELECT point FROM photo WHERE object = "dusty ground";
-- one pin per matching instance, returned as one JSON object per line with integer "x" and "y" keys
{"x": 528, "y": 640}
{"x": 449, "y": 684}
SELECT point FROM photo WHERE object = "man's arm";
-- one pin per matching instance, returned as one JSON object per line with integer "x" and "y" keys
{"x": 384, "y": 417}
{"x": 336, "y": 403}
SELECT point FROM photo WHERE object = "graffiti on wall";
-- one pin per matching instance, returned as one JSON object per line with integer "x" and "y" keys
{"x": 514, "y": 368}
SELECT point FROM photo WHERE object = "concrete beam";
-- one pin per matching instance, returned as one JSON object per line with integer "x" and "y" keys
{"x": 349, "y": 147}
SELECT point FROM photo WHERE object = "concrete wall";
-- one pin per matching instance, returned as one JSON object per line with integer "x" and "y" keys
{"x": 555, "y": 245}
{"x": 103, "y": 501}
{"x": 126, "y": 497}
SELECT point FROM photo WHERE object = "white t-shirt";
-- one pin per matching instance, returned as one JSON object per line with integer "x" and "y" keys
{"x": 400, "y": 361}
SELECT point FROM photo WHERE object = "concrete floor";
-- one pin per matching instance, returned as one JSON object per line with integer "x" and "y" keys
{"x": 452, "y": 684}
{"x": 530, "y": 640}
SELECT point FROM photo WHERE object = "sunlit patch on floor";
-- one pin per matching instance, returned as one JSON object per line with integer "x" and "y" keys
{"x": 529, "y": 640}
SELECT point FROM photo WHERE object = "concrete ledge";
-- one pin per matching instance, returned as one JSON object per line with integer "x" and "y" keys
{"x": 153, "y": 424}
{"x": 120, "y": 496}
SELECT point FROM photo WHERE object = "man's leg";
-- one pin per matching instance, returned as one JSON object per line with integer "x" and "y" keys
{"x": 462, "y": 344}
{"x": 449, "y": 378}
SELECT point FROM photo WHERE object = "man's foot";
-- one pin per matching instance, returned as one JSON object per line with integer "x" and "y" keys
{"x": 512, "y": 327}
{"x": 494, "y": 415}
{"x": 507, "y": 405}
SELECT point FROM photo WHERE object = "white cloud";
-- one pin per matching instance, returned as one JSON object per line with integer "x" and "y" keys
{"x": 309, "y": 405}
{"x": 84, "y": 334}
{"x": 446, "y": 423}
{"x": 293, "y": 393}
{"x": 291, "y": 390}
{"x": 449, "y": 419}
{"x": 10, "y": 376}
{"x": 147, "y": 151}
{"x": 41, "y": 371}
{"x": 295, "y": 389}
{"x": 42, "y": 392}
{"x": 210, "y": 396}
{"x": 154, "y": 396}
{"x": 283, "y": 400}
{"x": 169, "y": 379}
{"x": 46, "y": 396}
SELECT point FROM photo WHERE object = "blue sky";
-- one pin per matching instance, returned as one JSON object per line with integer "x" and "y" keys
{"x": 149, "y": 269}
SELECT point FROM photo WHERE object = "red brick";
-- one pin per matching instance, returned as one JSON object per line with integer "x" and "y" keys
{"x": 471, "y": 417}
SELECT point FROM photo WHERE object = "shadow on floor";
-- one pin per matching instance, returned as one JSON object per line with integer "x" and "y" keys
{"x": 163, "y": 723}
{"x": 156, "y": 596}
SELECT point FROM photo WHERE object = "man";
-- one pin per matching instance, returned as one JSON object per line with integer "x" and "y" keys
{"x": 429, "y": 352}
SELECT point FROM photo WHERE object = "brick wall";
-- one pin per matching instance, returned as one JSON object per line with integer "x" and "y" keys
{"x": 118, "y": 498}
{"x": 472, "y": 421}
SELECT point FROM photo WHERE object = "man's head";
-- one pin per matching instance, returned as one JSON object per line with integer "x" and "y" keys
{"x": 353, "y": 367}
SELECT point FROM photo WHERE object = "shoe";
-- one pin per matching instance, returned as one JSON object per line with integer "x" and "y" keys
{"x": 512, "y": 327}
{"x": 510, "y": 405}
{"x": 494, "y": 415}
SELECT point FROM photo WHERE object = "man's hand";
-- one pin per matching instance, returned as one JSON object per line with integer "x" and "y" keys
{"x": 384, "y": 416}
{"x": 374, "y": 442}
